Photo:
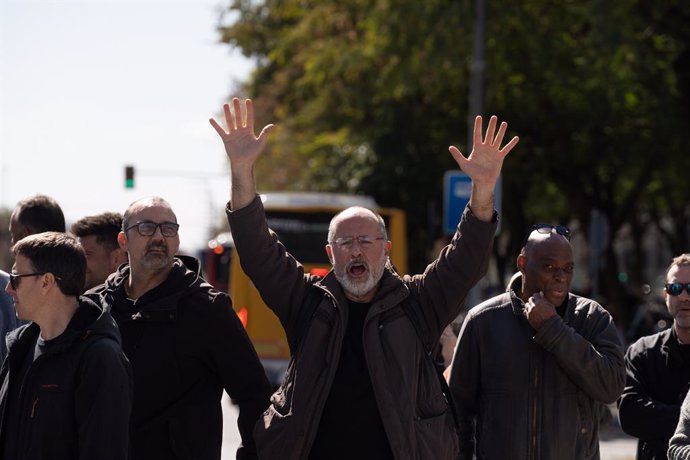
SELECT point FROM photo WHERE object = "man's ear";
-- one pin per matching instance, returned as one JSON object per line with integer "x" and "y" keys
{"x": 48, "y": 280}
{"x": 389, "y": 245}
{"x": 521, "y": 261}
{"x": 122, "y": 241}
{"x": 329, "y": 251}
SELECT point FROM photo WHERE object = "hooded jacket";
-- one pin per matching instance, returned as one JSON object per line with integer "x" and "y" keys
{"x": 525, "y": 394}
{"x": 658, "y": 378}
{"x": 186, "y": 345}
{"x": 74, "y": 402}
{"x": 415, "y": 414}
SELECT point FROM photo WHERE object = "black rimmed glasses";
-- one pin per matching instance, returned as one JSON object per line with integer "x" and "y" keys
{"x": 148, "y": 228}
{"x": 676, "y": 289}
{"x": 14, "y": 278}
{"x": 346, "y": 243}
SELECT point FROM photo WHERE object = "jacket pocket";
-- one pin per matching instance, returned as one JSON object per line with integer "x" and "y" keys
{"x": 588, "y": 424}
{"x": 436, "y": 437}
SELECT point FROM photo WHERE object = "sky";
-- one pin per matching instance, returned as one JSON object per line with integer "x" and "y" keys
{"x": 90, "y": 86}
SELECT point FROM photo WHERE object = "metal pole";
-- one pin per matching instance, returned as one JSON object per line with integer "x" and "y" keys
{"x": 476, "y": 99}
{"x": 478, "y": 66}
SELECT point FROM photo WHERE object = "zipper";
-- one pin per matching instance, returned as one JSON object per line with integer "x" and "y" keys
{"x": 535, "y": 386}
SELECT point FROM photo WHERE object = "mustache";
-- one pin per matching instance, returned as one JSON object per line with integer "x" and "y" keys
{"x": 357, "y": 261}
{"x": 157, "y": 245}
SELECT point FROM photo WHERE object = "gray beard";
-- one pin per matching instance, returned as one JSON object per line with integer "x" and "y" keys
{"x": 358, "y": 289}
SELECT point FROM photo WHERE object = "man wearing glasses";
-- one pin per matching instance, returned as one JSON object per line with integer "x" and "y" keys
{"x": 535, "y": 366}
{"x": 360, "y": 384}
{"x": 184, "y": 341}
{"x": 66, "y": 386}
{"x": 658, "y": 371}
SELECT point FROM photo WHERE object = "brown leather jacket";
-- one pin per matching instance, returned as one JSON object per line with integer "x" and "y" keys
{"x": 415, "y": 414}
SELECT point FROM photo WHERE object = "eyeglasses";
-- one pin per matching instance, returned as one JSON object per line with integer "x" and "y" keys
{"x": 545, "y": 229}
{"x": 346, "y": 243}
{"x": 14, "y": 278}
{"x": 675, "y": 289}
{"x": 148, "y": 228}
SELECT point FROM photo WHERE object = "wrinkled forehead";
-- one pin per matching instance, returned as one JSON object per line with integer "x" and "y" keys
{"x": 356, "y": 221}
{"x": 155, "y": 211}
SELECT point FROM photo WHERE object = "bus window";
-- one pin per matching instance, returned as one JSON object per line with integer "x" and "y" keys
{"x": 304, "y": 234}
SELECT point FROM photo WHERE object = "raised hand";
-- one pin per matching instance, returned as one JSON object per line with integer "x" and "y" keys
{"x": 485, "y": 162}
{"x": 241, "y": 145}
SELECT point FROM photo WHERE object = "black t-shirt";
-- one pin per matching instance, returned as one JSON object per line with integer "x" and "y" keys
{"x": 351, "y": 426}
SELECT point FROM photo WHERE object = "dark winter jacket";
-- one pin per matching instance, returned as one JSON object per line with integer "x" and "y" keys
{"x": 526, "y": 394}
{"x": 74, "y": 402}
{"x": 186, "y": 345}
{"x": 415, "y": 415}
{"x": 657, "y": 381}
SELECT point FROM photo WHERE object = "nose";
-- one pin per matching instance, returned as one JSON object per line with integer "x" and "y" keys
{"x": 356, "y": 250}
{"x": 559, "y": 273}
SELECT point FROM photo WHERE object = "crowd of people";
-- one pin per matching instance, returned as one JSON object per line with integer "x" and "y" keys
{"x": 114, "y": 346}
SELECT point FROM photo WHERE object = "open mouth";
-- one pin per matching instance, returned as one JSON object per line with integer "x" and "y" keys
{"x": 357, "y": 270}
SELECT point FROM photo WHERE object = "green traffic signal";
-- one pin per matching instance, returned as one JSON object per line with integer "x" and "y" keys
{"x": 129, "y": 176}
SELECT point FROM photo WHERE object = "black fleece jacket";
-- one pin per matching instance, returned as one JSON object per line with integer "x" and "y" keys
{"x": 186, "y": 345}
{"x": 74, "y": 400}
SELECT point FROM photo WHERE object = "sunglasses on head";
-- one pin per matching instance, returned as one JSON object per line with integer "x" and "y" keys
{"x": 675, "y": 289}
{"x": 546, "y": 229}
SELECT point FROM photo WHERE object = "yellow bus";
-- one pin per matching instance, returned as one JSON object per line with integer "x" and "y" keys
{"x": 301, "y": 222}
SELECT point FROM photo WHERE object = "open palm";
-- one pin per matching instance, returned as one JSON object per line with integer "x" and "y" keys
{"x": 485, "y": 162}
{"x": 241, "y": 145}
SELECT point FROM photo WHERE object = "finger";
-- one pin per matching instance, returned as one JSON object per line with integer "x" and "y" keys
{"x": 491, "y": 129}
{"x": 509, "y": 146}
{"x": 477, "y": 130}
{"x": 457, "y": 154}
{"x": 249, "y": 109}
{"x": 228, "y": 117}
{"x": 238, "y": 112}
{"x": 221, "y": 132}
{"x": 263, "y": 137}
{"x": 499, "y": 135}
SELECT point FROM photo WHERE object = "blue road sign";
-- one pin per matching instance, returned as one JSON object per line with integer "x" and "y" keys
{"x": 457, "y": 187}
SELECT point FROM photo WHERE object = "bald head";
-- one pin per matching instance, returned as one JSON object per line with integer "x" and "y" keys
{"x": 144, "y": 203}
{"x": 356, "y": 213}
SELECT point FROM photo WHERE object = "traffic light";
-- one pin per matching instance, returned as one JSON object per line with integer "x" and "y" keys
{"x": 129, "y": 176}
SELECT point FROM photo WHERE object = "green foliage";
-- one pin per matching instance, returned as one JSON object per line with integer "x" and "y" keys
{"x": 369, "y": 94}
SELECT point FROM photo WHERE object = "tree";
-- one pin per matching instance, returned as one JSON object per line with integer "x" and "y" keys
{"x": 368, "y": 95}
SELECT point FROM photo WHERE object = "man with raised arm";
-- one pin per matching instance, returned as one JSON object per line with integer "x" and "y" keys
{"x": 360, "y": 384}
